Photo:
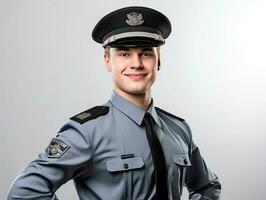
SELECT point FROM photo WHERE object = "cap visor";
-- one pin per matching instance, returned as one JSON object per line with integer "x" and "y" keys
{"x": 136, "y": 42}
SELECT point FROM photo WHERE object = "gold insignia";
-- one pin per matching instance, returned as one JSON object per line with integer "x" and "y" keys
{"x": 134, "y": 19}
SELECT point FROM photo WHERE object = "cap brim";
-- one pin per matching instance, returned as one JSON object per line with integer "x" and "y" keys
{"x": 136, "y": 42}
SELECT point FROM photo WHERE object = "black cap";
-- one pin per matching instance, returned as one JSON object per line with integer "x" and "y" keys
{"x": 132, "y": 26}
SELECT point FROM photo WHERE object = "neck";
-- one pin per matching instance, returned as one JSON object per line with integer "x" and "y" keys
{"x": 142, "y": 100}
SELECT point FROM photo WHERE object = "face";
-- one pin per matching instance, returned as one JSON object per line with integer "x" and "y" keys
{"x": 133, "y": 69}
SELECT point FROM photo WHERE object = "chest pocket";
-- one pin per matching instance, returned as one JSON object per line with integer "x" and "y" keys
{"x": 182, "y": 160}
{"x": 124, "y": 169}
{"x": 119, "y": 164}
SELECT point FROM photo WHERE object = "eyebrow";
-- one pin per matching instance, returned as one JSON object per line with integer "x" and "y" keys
{"x": 121, "y": 49}
{"x": 147, "y": 49}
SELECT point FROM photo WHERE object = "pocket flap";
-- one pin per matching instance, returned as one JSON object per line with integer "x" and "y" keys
{"x": 118, "y": 164}
{"x": 181, "y": 159}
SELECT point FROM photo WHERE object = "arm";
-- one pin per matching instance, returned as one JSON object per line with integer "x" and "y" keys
{"x": 43, "y": 176}
{"x": 201, "y": 182}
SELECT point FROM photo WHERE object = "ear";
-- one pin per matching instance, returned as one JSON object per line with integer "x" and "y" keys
{"x": 107, "y": 63}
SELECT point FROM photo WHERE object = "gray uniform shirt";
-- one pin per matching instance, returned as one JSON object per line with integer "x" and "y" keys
{"x": 109, "y": 158}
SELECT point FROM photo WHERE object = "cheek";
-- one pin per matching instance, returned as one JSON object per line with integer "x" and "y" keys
{"x": 153, "y": 68}
{"x": 118, "y": 66}
{"x": 117, "y": 71}
{"x": 154, "y": 73}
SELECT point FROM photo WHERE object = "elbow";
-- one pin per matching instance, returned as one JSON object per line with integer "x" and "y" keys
{"x": 209, "y": 191}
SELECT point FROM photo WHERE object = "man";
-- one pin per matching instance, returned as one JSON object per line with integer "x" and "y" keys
{"x": 126, "y": 148}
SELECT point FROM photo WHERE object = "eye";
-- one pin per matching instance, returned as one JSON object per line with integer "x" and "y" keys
{"x": 123, "y": 54}
{"x": 147, "y": 54}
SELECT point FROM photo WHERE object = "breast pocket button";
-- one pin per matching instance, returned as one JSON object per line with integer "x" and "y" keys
{"x": 125, "y": 166}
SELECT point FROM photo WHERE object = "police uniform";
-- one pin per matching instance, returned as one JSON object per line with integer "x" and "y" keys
{"x": 105, "y": 149}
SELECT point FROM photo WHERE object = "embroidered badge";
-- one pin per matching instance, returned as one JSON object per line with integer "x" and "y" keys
{"x": 134, "y": 19}
{"x": 56, "y": 148}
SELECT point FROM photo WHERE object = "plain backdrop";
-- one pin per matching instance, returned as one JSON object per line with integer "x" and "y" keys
{"x": 213, "y": 75}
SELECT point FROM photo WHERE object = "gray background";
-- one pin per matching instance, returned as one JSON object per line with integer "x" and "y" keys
{"x": 213, "y": 74}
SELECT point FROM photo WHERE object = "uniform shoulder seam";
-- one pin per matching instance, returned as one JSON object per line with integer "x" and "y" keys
{"x": 170, "y": 114}
{"x": 90, "y": 114}
{"x": 183, "y": 125}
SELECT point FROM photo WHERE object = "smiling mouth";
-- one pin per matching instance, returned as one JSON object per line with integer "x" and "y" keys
{"x": 136, "y": 76}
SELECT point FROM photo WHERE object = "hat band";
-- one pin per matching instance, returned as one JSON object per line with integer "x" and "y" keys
{"x": 113, "y": 38}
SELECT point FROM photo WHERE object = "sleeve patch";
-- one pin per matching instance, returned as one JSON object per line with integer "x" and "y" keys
{"x": 56, "y": 148}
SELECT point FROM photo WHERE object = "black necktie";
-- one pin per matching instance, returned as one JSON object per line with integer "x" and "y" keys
{"x": 158, "y": 159}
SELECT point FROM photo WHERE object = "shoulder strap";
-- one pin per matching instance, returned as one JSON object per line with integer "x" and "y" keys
{"x": 187, "y": 133}
{"x": 91, "y": 113}
{"x": 170, "y": 114}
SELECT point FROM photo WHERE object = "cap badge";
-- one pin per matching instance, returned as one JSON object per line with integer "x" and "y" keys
{"x": 134, "y": 19}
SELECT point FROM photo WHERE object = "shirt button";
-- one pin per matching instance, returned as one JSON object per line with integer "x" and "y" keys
{"x": 125, "y": 166}
{"x": 185, "y": 161}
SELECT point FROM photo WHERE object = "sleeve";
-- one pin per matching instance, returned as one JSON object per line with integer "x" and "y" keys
{"x": 200, "y": 181}
{"x": 67, "y": 157}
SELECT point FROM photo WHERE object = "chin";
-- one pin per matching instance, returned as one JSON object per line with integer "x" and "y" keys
{"x": 137, "y": 91}
{"x": 134, "y": 90}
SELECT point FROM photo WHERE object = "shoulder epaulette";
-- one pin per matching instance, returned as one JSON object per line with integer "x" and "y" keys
{"x": 170, "y": 114}
{"x": 91, "y": 113}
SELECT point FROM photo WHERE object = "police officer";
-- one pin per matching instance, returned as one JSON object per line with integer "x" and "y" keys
{"x": 126, "y": 148}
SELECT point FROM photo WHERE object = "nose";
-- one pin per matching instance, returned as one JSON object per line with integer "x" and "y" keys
{"x": 136, "y": 62}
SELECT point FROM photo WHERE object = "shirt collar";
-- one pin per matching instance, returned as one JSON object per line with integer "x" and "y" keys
{"x": 131, "y": 110}
{"x": 154, "y": 114}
